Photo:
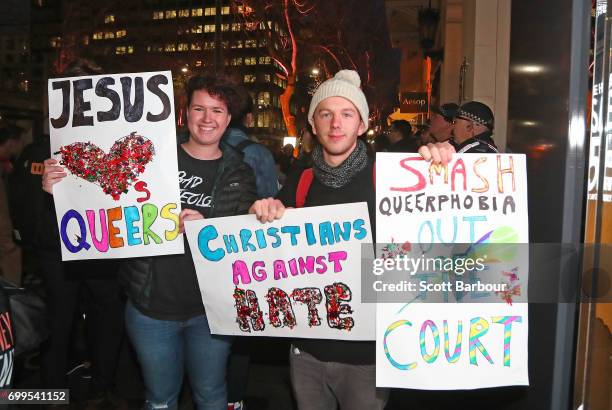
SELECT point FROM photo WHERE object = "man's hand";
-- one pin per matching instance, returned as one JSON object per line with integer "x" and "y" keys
{"x": 268, "y": 209}
{"x": 438, "y": 153}
{"x": 188, "y": 215}
{"x": 52, "y": 174}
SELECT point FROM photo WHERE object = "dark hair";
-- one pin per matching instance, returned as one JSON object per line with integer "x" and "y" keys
{"x": 403, "y": 127}
{"x": 220, "y": 86}
{"x": 9, "y": 132}
{"x": 81, "y": 67}
{"x": 246, "y": 107}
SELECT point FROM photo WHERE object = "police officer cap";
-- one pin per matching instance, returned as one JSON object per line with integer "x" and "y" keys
{"x": 477, "y": 112}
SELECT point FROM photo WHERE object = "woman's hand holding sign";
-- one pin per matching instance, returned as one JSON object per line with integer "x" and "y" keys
{"x": 188, "y": 215}
{"x": 267, "y": 209}
{"x": 52, "y": 174}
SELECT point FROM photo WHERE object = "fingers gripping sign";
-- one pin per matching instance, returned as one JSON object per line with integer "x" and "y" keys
{"x": 52, "y": 174}
{"x": 267, "y": 209}
{"x": 438, "y": 153}
{"x": 188, "y": 215}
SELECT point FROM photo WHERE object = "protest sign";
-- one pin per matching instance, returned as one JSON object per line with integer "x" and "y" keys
{"x": 296, "y": 277}
{"x": 465, "y": 215}
{"x": 116, "y": 138}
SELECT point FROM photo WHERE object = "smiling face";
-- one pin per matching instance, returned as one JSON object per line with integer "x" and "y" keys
{"x": 337, "y": 124}
{"x": 207, "y": 118}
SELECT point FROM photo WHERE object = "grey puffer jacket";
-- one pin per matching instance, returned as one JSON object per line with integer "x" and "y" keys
{"x": 234, "y": 191}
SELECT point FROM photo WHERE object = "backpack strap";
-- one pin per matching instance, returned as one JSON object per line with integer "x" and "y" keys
{"x": 306, "y": 180}
{"x": 243, "y": 144}
{"x": 303, "y": 187}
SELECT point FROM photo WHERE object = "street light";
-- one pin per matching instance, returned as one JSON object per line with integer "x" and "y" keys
{"x": 315, "y": 71}
{"x": 184, "y": 69}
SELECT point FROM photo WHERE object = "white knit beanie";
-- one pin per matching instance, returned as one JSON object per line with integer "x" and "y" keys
{"x": 344, "y": 84}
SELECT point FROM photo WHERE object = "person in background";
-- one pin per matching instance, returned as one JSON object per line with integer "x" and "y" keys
{"x": 401, "y": 137}
{"x": 473, "y": 130}
{"x": 65, "y": 284}
{"x": 255, "y": 154}
{"x": 10, "y": 252}
{"x": 261, "y": 161}
{"x": 441, "y": 124}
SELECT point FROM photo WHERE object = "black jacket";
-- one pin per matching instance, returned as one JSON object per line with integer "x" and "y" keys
{"x": 234, "y": 191}
{"x": 480, "y": 144}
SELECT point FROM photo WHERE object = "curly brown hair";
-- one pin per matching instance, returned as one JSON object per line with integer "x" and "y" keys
{"x": 220, "y": 86}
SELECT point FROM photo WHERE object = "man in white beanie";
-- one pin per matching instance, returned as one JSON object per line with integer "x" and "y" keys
{"x": 329, "y": 373}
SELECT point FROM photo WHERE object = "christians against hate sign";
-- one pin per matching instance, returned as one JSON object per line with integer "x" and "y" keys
{"x": 296, "y": 277}
{"x": 115, "y": 137}
{"x": 468, "y": 210}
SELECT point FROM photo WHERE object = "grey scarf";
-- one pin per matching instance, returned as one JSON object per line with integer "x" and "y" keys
{"x": 336, "y": 177}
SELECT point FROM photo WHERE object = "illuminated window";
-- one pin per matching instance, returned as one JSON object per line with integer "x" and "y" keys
{"x": 120, "y": 50}
{"x": 121, "y": 33}
{"x": 210, "y": 11}
{"x": 196, "y": 12}
{"x": 245, "y": 9}
{"x": 224, "y": 44}
{"x": 236, "y": 26}
{"x": 170, "y": 47}
{"x": 225, "y": 27}
{"x": 209, "y": 28}
{"x": 264, "y": 60}
{"x": 263, "y": 120}
{"x": 225, "y": 10}
{"x": 267, "y": 78}
{"x": 276, "y": 27}
{"x": 158, "y": 15}
{"x": 250, "y": 26}
{"x": 250, "y": 61}
{"x": 250, "y": 43}
{"x": 269, "y": 24}
{"x": 109, "y": 34}
{"x": 109, "y": 18}
{"x": 85, "y": 40}
{"x": 263, "y": 42}
{"x": 170, "y": 14}
{"x": 236, "y": 61}
{"x": 209, "y": 45}
{"x": 183, "y": 47}
{"x": 98, "y": 35}
{"x": 262, "y": 25}
{"x": 183, "y": 13}
{"x": 198, "y": 63}
{"x": 249, "y": 78}
{"x": 197, "y": 29}
{"x": 196, "y": 46}
{"x": 237, "y": 44}
{"x": 263, "y": 98}
{"x": 55, "y": 42}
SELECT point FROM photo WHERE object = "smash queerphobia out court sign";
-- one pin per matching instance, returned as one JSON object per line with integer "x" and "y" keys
{"x": 469, "y": 209}
{"x": 296, "y": 277}
{"x": 116, "y": 138}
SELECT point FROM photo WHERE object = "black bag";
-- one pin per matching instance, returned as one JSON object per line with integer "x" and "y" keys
{"x": 29, "y": 317}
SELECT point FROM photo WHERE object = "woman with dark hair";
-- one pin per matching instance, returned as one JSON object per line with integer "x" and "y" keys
{"x": 164, "y": 316}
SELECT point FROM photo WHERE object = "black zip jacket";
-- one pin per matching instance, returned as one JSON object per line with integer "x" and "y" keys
{"x": 234, "y": 191}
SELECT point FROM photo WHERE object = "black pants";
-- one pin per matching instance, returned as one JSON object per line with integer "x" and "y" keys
{"x": 64, "y": 282}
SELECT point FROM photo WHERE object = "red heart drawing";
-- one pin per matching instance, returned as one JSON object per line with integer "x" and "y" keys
{"x": 113, "y": 172}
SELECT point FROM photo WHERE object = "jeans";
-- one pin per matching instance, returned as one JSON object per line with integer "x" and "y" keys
{"x": 165, "y": 348}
